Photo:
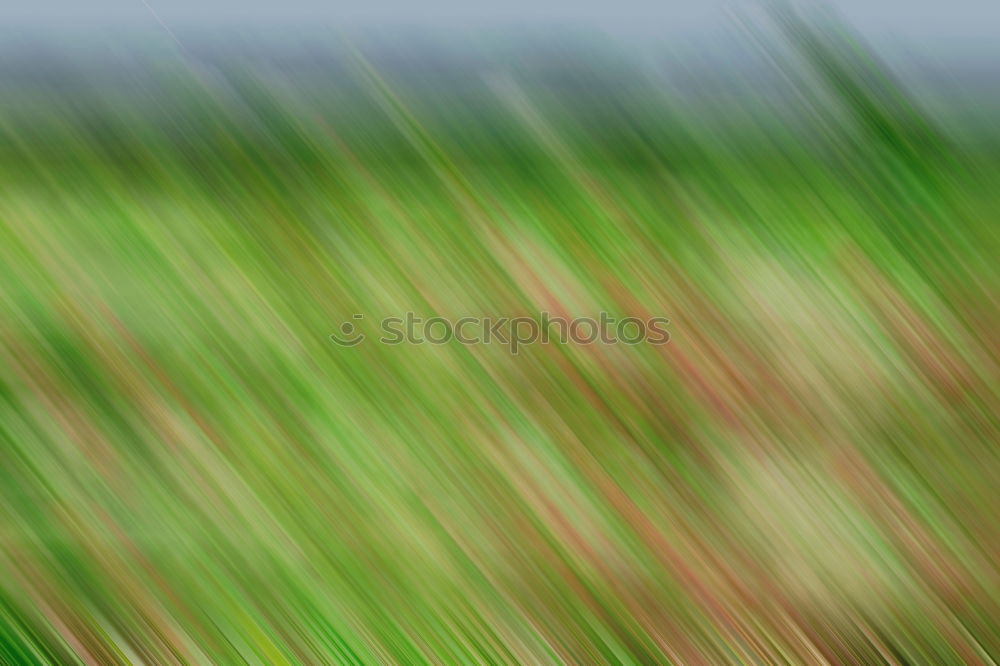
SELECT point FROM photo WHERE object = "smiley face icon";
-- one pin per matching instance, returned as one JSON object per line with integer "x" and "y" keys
{"x": 348, "y": 335}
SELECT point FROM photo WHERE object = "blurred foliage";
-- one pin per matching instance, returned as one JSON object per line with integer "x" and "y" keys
{"x": 191, "y": 472}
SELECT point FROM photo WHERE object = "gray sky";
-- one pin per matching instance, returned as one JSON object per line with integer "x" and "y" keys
{"x": 915, "y": 18}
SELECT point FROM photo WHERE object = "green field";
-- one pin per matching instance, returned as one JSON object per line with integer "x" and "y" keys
{"x": 192, "y": 472}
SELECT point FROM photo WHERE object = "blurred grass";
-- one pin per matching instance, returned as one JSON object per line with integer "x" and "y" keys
{"x": 193, "y": 473}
